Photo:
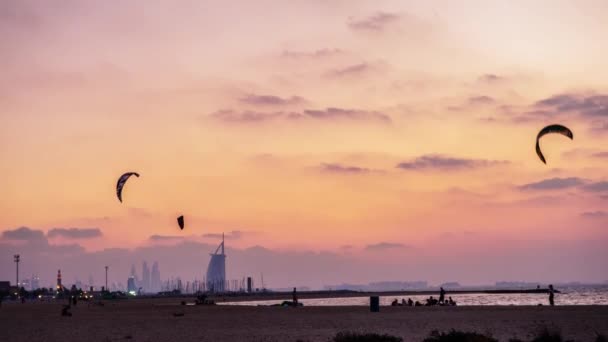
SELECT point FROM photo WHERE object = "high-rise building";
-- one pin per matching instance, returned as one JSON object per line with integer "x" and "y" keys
{"x": 35, "y": 283}
{"x": 131, "y": 287}
{"x": 216, "y": 271}
{"x": 155, "y": 278}
{"x": 145, "y": 277}
{"x": 59, "y": 285}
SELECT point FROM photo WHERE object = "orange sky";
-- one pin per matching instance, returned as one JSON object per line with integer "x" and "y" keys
{"x": 287, "y": 120}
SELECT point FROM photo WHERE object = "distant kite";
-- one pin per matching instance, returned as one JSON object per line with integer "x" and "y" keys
{"x": 180, "y": 221}
{"x": 563, "y": 130}
{"x": 121, "y": 182}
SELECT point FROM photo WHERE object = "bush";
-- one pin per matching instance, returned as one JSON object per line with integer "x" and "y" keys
{"x": 458, "y": 336}
{"x": 546, "y": 335}
{"x": 356, "y": 337}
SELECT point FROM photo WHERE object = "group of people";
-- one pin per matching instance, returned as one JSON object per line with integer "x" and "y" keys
{"x": 431, "y": 301}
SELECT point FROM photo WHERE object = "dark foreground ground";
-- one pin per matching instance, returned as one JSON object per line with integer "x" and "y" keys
{"x": 154, "y": 320}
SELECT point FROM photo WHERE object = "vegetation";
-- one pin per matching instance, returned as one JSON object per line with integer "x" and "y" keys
{"x": 547, "y": 335}
{"x": 370, "y": 337}
{"x": 458, "y": 336}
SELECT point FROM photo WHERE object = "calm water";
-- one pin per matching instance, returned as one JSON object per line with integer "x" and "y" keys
{"x": 574, "y": 296}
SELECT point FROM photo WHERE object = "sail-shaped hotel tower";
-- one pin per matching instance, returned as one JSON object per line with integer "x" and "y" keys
{"x": 216, "y": 271}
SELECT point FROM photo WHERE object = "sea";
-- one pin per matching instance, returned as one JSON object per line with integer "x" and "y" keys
{"x": 586, "y": 295}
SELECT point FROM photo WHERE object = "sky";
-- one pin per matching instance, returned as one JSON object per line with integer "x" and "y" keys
{"x": 333, "y": 141}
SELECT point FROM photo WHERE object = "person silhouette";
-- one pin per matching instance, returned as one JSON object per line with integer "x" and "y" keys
{"x": 551, "y": 295}
{"x": 294, "y": 297}
{"x": 441, "y": 295}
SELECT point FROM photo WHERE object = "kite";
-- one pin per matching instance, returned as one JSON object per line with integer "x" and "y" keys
{"x": 180, "y": 221}
{"x": 563, "y": 130}
{"x": 121, "y": 183}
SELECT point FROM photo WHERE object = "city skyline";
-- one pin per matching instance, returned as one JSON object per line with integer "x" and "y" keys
{"x": 388, "y": 140}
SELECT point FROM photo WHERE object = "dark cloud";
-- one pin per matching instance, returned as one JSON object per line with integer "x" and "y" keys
{"x": 595, "y": 214}
{"x": 481, "y": 100}
{"x": 19, "y": 14}
{"x": 440, "y": 162}
{"x": 321, "y": 53}
{"x": 381, "y": 246}
{"x": 165, "y": 237}
{"x": 375, "y": 23}
{"x": 596, "y": 187}
{"x": 553, "y": 184}
{"x": 271, "y": 100}
{"x": 350, "y": 114}
{"x": 491, "y": 78}
{"x": 231, "y": 116}
{"x": 331, "y": 113}
{"x": 23, "y": 233}
{"x": 590, "y": 105}
{"x": 338, "y": 168}
{"x": 232, "y": 235}
{"x": 351, "y": 70}
{"x": 75, "y": 233}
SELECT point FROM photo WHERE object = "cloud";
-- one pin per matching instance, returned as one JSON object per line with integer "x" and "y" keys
{"x": 23, "y": 233}
{"x": 165, "y": 237}
{"x": 375, "y": 23}
{"x": 594, "y": 214}
{"x": 232, "y": 235}
{"x": 338, "y": 168}
{"x": 321, "y": 53}
{"x": 600, "y": 155}
{"x": 596, "y": 187}
{"x": 331, "y": 113}
{"x": 19, "y": 14}
{"x": 491, "y": 79}
{"x": 382, "y": 246}
{"x": 442, "y": 162}
{"x": 589, "y": 105}
{"x": 481, "y": 100}
{"x": 351, "y": 70}
{"x": 553, "y": 184}
{"x": 231, "y": 116}
{"x": 271, "y": 100}
{"x": 75, "y": 233}
{"x": 350, "y": 114}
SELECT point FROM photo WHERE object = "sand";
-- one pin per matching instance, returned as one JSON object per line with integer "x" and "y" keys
{"x": 153, "y": 320}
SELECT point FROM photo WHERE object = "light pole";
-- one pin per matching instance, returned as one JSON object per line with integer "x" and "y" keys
{"x": 107, "y": 279}
{"x": 16, "y": 259}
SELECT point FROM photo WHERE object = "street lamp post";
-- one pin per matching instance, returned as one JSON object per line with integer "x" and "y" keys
{"x": 16, "y": 259}
{"x": 107, "y": 279}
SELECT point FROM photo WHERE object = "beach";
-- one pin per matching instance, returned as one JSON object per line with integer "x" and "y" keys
{"x": 154, "y": 320}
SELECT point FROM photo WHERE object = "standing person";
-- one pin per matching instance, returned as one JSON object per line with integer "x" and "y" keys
{"x": 441, "y": 295}
{"x": 294, "y": 297}
{"x": 551, "y": 295}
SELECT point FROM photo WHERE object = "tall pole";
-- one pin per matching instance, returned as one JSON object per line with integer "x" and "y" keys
{"x": 16, "y": 258}
{"x": 107, "y": 279}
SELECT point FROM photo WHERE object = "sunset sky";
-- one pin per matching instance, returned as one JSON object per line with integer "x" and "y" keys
{"x": 357, "y": 140}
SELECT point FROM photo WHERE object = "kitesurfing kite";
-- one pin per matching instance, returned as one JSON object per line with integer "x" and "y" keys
{"x": 563, "y": 130}
{"x": 180, "y": 221}
{"x": 121, "y": 183}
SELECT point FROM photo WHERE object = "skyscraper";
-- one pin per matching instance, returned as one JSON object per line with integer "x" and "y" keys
{"x": 35, "y": 283}
{"x": 131, "y": 287}
{"x": 145, "y": 277}
{"x": 216, "y": 271}
{"x": 155, "y": 278}
{"x": 59, "y": 285}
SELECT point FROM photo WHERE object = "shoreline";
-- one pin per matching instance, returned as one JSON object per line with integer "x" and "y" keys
{"x": 258, "y": 296}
